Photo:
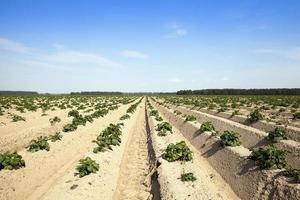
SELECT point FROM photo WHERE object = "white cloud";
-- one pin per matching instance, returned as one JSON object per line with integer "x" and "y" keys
{"x": 58, "y": 46}
{"x": 134, "y": 54}
{"x": 9, "y": 45}
{"x": 176, "y": 31}
{"x": 76, "y": 57}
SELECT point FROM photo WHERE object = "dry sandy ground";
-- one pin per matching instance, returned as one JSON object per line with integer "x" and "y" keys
{"x": 209, "y": 184}
{"x": 16, "y": 135}
{"x": 44, "y": 168}
{"x": 108, "y": 181}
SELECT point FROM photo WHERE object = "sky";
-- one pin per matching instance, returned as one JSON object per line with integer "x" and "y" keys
{"x": 148, "y": 46}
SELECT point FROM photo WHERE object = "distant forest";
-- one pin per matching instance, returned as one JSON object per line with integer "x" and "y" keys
{"x": 15, "y": 93}
{"x": 279, "y": 91}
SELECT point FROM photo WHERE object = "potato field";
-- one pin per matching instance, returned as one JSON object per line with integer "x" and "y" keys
{"x": 149, "y": 147}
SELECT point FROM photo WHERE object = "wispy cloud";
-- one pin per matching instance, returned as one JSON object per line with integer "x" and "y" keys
{"x": 77, "y": 57}
{"x": 134, "y": 54}
{"x": 292, "y": 53}
{"x": 176, "y": 31}
{"x": 9, "y": 45}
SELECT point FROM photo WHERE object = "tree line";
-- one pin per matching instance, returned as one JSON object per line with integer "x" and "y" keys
{"x": 272, "y": 91}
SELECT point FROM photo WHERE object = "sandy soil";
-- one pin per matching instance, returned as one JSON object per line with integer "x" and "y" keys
{"x": 100, "y": 185}
{"x": 16, "y": 135}
{"x": 134, "y": 182}
{"x": 209, "y": 184}
{"x": 44, "y": 168}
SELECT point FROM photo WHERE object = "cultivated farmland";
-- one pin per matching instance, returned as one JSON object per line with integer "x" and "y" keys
{"x": 149, "y": 147}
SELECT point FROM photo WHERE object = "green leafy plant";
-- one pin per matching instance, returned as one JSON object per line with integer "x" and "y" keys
{"x": 69, "y": 127}
{"x": 269, "y": 157}
{"x": 109, "y": 137}
{"x": 230, "y": 138}
{"x": 190, "y": 118}
{"x": 186, "y": 177}
{"x": 255, "y": 116}
{"x": 177, "y": 112}
{"x": 207, "y": 126}
{"x": 179, "y": 151}
{"x": 55, "y": 137}
{"x": 126, "y": 116}
{"x": 87, "y": 166}
{"x": 278, "y": 134}
{"x": 16, "y": 118}
{"x": 54, "y": 120}
{"x": 153, "y": 113}
{"x": 294, "y": 173}
{"x": 11, "y": 161}
{"x": 158, "y": 118}
{"x": 163, "y": 128}
{"x": 236, "y": 112}
{"x": 40, "y": 143}
{"x": 296, "y": 115}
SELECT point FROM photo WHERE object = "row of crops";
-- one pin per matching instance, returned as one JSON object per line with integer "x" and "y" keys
{"x": 83, "y": 110}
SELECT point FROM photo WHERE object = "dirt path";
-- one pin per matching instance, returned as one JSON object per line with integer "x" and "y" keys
{"x": 134, "y": 182}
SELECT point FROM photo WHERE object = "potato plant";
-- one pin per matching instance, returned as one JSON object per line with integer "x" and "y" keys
{"x": 124, "y": 117}
{"x": 11, "y": 161}
{"x": 278, "y": 134}
{"x": 230, "y": 138}
{"x": 207, "y": 126}
{"x": 269, "y": 157}
{"x": 87, "y": 166}
{"x": 178, "y": 152}
{"x": 255, "y": 116}
{"x": 40, "y": 143}
{"x": 190, "y": 118}
{"x": 54, "y": 120}
{"x": 163, "y": 128}
{"x": 109, "y": 137}
{"x": 188, "y": 177}
{"x": 57, "y": 136}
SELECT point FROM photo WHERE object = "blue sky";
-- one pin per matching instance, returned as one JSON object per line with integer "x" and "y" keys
{"x": 157, "y": 45}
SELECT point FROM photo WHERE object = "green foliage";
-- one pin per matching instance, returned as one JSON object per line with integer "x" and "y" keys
{"x": 89, "y": 118}
{"x": 54, "y": 120}
{"x": 153, "y": 113}
{"x": 109, "y": 137}
{"x": 158, "y": 118}
{"x": 177, "y": 112}
{"x": 186, "y": 177}
{"x": 55, "y": 137}
{"x": 230, "y": 138}
{"x": 16, "y": 118}
{"x": 190, "y": 118}
{"x": 207, "y": 126}
{"x": 11, "y": 161}
{"x": 294, "y": 173}
{"x": 87, "y": 166}
{"x": 296, "y": 115}
{"x": 278, "y": 134}
{"x": 126, "y": 116}
{"x": 179, "y": 151}
{"x": 255, "y": 116}
{"x": 236, "y": 112}
{"x": 69, "y": 128}
{"x": 163, "y": 128}
{"x": 73, "y": 113}
{"x": 269, "y": 157}
{"x": 40, "y": 143}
